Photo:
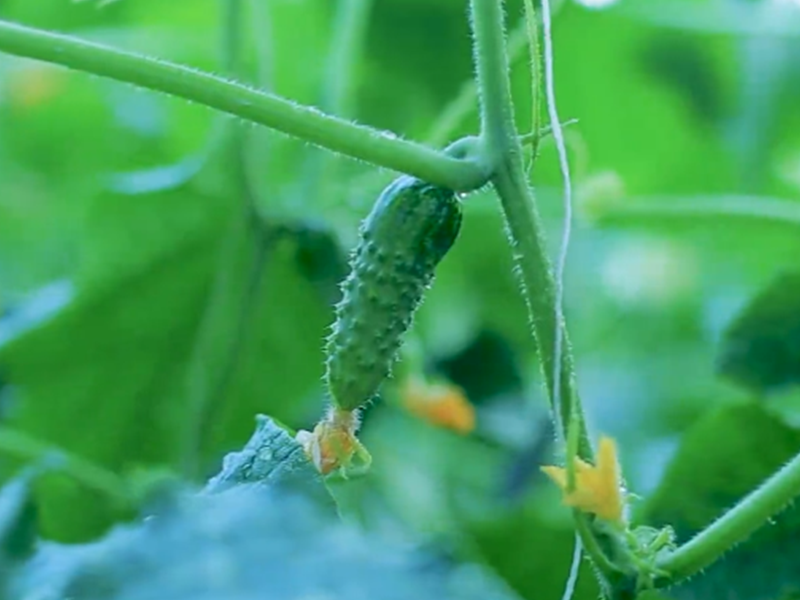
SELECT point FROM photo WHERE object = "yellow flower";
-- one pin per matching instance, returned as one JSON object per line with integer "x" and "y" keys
{"x": 333, "y": 444}
{"x": 440, "y": 404}
{"x": 598, "y": 488}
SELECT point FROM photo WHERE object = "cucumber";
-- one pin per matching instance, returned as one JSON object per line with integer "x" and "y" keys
{"x": 410, "y": 229}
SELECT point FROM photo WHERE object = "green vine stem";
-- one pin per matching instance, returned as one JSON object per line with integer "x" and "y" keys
{"x": 463, "y": 105}
{"x": 504, "y": 154}
{"x": 691, "y": 208}
{"x": 307, "y": 123}
{"x": 736, "y": 525}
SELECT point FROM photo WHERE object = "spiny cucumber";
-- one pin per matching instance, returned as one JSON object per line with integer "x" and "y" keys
{"x": 409, "y": 230}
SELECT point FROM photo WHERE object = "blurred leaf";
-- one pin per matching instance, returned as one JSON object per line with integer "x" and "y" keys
{"x": 223, "y": 329}
{"x": 124, "y": 235}
{"x": 321, "y": 259}
{"x": 117, "y": 354}
{"x": 761, "y": 348}
{"x": 683, "y": 62}
{"x": 271, "y": 456}
{"x": 724, "y": 456}
{"x": 38, "y": 308}
{"x": 417, "y": 57}
{"x": 613, "y": 132}
{"x": 475, "y": 288}
{"x": 719, "y": 16}
{"x": 247, "y": 542}
{"x": 484, "y": 368}
{"x": 17, "y": 520}
{"x": 531, "y": 552}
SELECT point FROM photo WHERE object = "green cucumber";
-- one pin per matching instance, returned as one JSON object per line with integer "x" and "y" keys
{"x": 409, "y": 230}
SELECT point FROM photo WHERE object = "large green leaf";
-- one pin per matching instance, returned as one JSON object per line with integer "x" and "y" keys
{"x": 106, "y": 378}
{"x": 723, "y": 457}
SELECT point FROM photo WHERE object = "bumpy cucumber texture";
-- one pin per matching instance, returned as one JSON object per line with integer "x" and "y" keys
{"x": 410, "y": 229}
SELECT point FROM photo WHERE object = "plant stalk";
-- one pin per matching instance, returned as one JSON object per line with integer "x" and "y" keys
{"x": 504, "y": 153}
{"x": 504, "y": 150}
{"x": 307, "y": 123}
{"x": 736, "y": 525}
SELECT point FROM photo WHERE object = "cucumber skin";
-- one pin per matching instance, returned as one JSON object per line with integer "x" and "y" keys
{"x": 409, "y": 230}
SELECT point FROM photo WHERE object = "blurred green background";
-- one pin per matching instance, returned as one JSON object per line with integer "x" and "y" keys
{"x": 133, "y": 280}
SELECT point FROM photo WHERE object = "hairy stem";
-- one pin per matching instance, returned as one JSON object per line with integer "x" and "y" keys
{"x": 532, "y": 30}
{"x": 736, "y": 525}
{"x": 304, "y": 122}
{"x": 524, "y": 224}
{"x": 466, "y": 102}
{"x": 504, "y": 154}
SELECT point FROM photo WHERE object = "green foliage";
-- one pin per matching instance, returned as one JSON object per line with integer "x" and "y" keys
{"x": 114, "y": 362}
{"x": 153, "y": 300}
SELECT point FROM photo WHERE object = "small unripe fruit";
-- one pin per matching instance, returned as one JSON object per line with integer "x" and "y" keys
{"x": 409, "y": 230}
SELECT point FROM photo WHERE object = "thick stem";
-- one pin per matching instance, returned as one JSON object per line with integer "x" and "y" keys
{"x": 532, "y": 29}
{"x": 463, "y": 105}
{"x": 736, "y": 525}
{"x": 504, "y": 154}
{"x": 523, "y": 221}
{"x": 535, "y": 270}
{"x": 304, "y": 122}
{"x": 498, "y": 130}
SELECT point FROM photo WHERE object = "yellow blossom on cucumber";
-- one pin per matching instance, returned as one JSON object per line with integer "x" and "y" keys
{"x": 333, "y": 443}
{"x": 598, "y": 487}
